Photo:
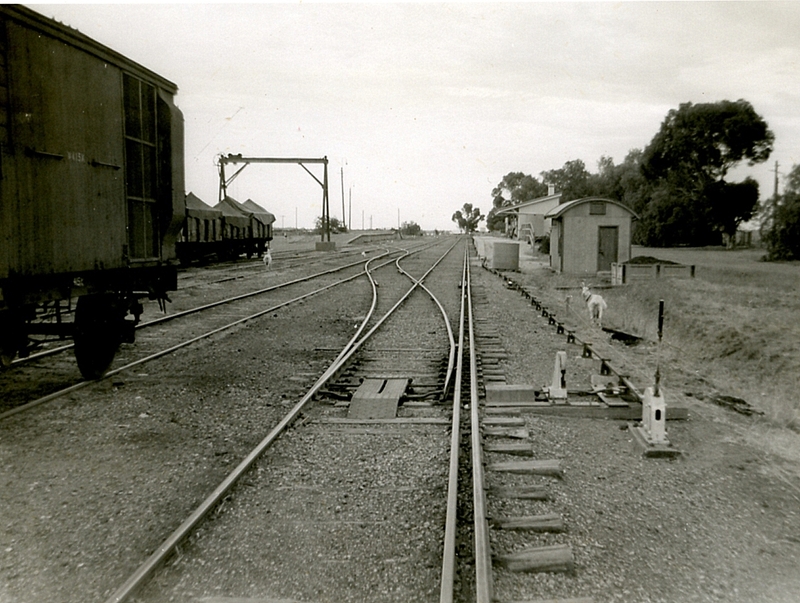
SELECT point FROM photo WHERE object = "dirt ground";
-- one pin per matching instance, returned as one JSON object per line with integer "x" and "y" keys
{"x": 721, "y": 522}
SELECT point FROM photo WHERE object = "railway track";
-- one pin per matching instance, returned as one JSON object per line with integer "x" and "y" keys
{"x": 41, "y": 378}
{"x": 367, "y": 430}
{"x": 93, "y": 461}
{"x": 202, "y": 282}
{"x": 370, "y": 432}
{"x": 441, "y": 498}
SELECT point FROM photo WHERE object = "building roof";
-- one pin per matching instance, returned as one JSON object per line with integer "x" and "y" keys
{"x": 196, "y": 208}
{"x": 564, "y": 207}
{"x": 233, "y": 213}
{"x": 261, "y": 214}
{"x": 515, "y": 208}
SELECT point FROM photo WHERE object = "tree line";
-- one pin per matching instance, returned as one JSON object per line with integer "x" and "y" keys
{"x": 677, "y": 184}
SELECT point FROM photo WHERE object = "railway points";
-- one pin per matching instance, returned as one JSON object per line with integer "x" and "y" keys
{"x": 375, "y": 483}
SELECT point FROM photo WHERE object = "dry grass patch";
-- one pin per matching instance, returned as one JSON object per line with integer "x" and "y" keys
{"x": 735, "y": 327}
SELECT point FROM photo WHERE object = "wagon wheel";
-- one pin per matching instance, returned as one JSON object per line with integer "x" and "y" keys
{"x": 12, "y": 337}
{"x": 97, "y": 334}
{"x": 6, "y": 356}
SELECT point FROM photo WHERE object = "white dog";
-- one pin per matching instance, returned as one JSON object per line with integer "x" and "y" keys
{"x": 268, "y": 259}
{"x": 595, "y": 303}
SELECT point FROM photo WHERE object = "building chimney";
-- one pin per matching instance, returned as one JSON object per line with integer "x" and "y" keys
{"x": 551, "y": 189}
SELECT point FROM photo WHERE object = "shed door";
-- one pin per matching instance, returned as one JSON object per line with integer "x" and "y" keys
{"x": 608, "y": 241}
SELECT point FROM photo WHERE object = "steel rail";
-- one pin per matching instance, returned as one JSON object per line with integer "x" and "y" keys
{"x": 451, "y": 518}
{"x": 158, "y": 557}
{"x": 370, "y": 312}
{"x": 111, "y": 373}
{"x": 364, "y": 322}
{"x": 285, "y": 257}
{"x": 357, "y": 344}
{"x": 483, "y": 557}
{"x": 452, "y": 357}
{"x": 208, "y": 306}
{"x": 352, "y": 347}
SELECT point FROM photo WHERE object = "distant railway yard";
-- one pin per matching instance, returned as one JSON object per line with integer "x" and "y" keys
{"x": 250, "y": 464}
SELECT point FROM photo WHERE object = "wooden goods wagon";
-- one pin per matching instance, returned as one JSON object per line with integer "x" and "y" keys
{"x": 247, "y": 230}
{"x": 201, "y": 238}
{"x": 91, "y": 188}
{"x": 263, "y": 221}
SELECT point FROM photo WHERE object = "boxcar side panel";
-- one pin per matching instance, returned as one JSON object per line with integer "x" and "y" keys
{"x": 67, "y": 143}
{"x": 7, "y": 208}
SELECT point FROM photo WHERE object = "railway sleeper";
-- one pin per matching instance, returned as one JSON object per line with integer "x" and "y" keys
{"x": 548, "y": 467}
{"x": 550, "y": 522}
{"x": 555, "y": 558}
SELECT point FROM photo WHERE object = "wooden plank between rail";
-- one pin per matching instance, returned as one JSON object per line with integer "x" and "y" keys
{"x": 515, "y": 448}
{"x": 505, "y": 432}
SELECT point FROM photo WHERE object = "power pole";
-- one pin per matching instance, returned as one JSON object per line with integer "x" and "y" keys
{"x": 344, "y": 215}
{"x": 775, "y": 203}
{"x": 776, "y": 180}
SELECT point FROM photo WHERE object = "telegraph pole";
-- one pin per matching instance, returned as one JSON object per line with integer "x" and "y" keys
{"x": 344, "y": 215}
{"x": 775, "y": 193}
{"x": 775, "y": 202}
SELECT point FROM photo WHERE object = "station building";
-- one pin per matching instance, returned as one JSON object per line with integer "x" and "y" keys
{"x": 526, "y": 221}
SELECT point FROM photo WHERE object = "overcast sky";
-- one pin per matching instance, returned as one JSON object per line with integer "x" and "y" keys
{"x": 427, "y": 106}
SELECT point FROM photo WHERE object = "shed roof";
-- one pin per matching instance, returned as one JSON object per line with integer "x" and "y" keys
{"x": 197, "y": 208}
{"x": 261, "y": 214}
{"x": 565, "y": 207}
{"x": 515, "y": 208}
{"x": 232, "y": 212}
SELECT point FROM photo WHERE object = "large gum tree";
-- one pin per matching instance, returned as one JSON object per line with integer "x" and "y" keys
{"x": 686, "y": 164}
{"x": 468, "y": 218}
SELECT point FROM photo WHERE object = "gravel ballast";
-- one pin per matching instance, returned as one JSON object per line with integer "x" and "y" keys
{"x": 91, "y": 483}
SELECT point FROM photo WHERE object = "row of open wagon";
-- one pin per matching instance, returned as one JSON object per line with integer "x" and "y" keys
{"x": 226, "y": 231}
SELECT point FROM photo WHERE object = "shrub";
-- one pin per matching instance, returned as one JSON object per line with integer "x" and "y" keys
{"x": 544, "y": 244}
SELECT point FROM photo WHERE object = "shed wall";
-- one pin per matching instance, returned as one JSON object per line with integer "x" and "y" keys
{"x": 580, "y": 232}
